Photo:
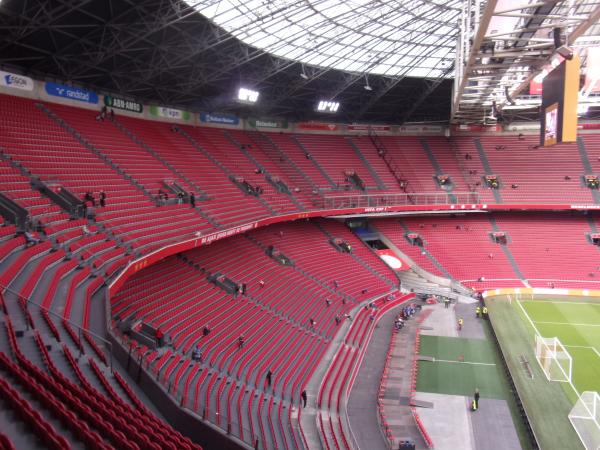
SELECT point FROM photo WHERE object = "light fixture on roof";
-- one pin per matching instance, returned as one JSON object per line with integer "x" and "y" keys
{"x": 303, "y": 73}
{"x": 327, "y": 106}
{"x": 367, "y": 86}
{"x": 246, "y": 95}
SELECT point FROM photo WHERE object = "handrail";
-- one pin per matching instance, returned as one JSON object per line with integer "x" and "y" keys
{"x": 80, "y": 330}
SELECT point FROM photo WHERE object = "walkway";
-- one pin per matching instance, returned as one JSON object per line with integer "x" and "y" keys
{"x": 362, "y": 404}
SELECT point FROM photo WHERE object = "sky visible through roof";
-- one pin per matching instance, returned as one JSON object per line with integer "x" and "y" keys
{"x": 415, "y": 38}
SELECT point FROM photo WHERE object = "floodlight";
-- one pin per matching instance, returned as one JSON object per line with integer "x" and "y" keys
{"x": 247, "y": 95}
{"x": 327, "y": 106}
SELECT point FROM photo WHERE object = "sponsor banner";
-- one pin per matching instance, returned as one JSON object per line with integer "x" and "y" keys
{"x": 71, "y": 93}
{"x": 376, "y": 128}
{"x": 589, "y": 126}
{"x": 15, "y": 81}
{"x": 592, "y": 72}
{"x": 169, "y": 113}
{"x": 535, "y": 87}
{"x": 226, "y": 233}
{"x": 392, "y": 260}
{"x": 533, "y": 126}
{"x": 318, "y": 126}
{"x": 477, "y": 128}
{"x": 224, "y": 119}
{"x": 121, "y": 103}
{"x": 267, "y": 123}
{"x": 421, "y": 129}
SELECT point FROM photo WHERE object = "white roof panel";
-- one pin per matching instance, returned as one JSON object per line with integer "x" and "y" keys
{"x": 354, "y": 35}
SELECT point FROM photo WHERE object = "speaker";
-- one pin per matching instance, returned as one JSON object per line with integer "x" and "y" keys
{"x": 556, "y": 36}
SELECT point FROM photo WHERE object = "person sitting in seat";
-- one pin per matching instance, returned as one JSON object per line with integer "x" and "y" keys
{"x": 31, "y": 238}
{"x": 197, "y": 354}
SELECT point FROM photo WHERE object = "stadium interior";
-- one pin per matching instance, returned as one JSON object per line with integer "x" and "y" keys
{"x": 280, "y": 225}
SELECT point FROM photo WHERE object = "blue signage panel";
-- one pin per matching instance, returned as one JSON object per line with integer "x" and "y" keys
{"x": 72, "y": 93}
{"x": 226, "y": 119}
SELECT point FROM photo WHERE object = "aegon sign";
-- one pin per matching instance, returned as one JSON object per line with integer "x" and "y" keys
{"x": 15, "y": 81}
{"x": 121, "y": 103}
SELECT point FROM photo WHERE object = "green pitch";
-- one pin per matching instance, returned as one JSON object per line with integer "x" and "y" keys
{"x": 547, "y": 403}
{"x": 577, "y": 325}
{"x": 460, "y": 365}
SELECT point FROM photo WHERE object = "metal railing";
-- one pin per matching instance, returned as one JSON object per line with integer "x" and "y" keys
{"x": 26, "y": 303}
{"x": 398, "y": 199}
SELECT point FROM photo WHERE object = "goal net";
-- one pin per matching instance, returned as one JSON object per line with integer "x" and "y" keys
{"x": 553, "y": 358}
{"x": 585, "y": 418}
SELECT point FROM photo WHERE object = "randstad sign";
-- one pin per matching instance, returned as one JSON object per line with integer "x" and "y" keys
{"x": 72, "y": 93}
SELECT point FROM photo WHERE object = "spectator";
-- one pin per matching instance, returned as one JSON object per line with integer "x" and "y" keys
{"x": 180, "y": 198}
{"x": 160, "y": 337}
{"x": 521, "y": 137}
{"x": 241, "y": 341}
{"x": 112, "y": 114}
{"x": 337, "y": 320}
{"x": 192, "y": 200}
{"x": 197, "y": 354}
{"x": 31, "y": 238}
{"x": 328, "y": 302}
{"x": 269, "y": 378}
{"x": 304, "y": 398}
{"x": 205, "y": 330}
{"x": 85, "y": 230}
{"x": 102, "y": 197}
{"x": 261, "y": 283}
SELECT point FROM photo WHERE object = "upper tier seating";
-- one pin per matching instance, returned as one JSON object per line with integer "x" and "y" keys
{"x": 549, "y": 250}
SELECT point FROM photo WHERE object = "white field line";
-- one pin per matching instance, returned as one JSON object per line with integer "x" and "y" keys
{"x": 558, "y": 302}
{"x": 584, "y": 346}
{"x": 569, "y": 323}
{"x": 463, "y": 362}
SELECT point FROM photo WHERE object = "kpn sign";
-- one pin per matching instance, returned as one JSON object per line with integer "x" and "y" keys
{"x": 123, "y": 104}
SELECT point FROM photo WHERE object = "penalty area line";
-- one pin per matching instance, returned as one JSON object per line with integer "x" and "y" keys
{"x": 585, "y": 346}
{"x": 569, "y": 323}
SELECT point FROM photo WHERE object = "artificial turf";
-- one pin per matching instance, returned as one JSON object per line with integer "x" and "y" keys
{"x": 577, "y": 325}
{"x": 546, "y": 403}
{"x": 460, "y": 366}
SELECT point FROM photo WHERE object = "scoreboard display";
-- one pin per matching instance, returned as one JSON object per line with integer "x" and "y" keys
{"x": 558, "y": 114}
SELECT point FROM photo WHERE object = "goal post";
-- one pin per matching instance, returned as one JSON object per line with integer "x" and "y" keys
{"x": 553, "y": 358}
{"x": 585, "y": 418}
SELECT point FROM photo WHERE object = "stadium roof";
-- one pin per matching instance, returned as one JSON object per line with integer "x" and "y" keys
{"x": 394, "y": 38}
{"x": 384, "y": 61}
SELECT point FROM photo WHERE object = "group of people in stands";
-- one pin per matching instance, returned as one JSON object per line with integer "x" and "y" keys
{"x": 90, "y": 201}
{"x": 104, "y": 112}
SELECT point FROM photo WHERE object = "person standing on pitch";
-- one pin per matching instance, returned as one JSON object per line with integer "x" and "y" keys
{"x": 476, "y": 399}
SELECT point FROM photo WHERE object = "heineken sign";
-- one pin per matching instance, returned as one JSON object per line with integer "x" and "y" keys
{"x": 121, "y": 103}
{"x": 267, "y": 123}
